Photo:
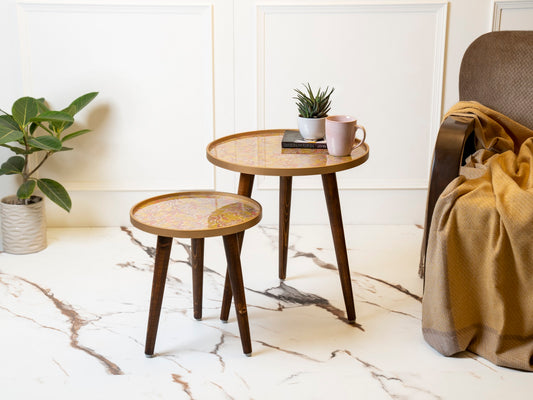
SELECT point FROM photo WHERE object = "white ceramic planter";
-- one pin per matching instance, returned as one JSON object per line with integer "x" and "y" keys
{"x": 23, "y": 226}
{"x": 312, "y": 128}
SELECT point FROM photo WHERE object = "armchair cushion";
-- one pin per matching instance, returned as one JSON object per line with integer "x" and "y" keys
{"x": 479, "y": 279}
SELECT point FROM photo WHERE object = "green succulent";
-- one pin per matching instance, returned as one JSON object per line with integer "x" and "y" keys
{"x": 313, "y": 105}
{"x": 32, "y": 128}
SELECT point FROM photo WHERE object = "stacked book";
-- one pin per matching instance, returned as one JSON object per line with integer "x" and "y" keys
{"x": 293, "y": 139}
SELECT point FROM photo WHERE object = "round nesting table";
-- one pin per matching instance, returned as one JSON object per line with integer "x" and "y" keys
{"x": 197, "y": 215}
{"x": 260, "y": 153}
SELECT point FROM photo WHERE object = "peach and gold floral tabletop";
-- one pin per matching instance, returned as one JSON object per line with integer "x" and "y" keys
{"x": 260, "y": 153}
{"x": 196, "y": 214}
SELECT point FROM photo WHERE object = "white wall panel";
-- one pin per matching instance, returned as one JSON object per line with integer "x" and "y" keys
{"x": 385, "y": 62}
{"x": 513, "y": 15}
{"x": 153, "y": 68}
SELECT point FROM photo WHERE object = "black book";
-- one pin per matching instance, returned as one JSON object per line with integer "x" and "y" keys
{"x": 293, "y": 139}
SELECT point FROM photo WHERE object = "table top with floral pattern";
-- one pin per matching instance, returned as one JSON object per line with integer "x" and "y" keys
{"x": 260, "y": 153}
{"x": 196, "y": 214}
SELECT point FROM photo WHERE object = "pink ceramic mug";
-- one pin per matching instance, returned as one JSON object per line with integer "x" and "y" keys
{"x": 340, "y": 134}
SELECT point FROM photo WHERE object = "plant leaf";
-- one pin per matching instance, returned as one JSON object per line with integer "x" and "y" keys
{"x": 33, "y": 128}
{"x": 20, "y": 150}
{"x": 313, "y": 105}
{"x": 26, "y": 189}
{"x": 7, "y": 122}
{"x": 16, "y": 150}
{"x": 55, "y": 192}
{"x": 11, "y": 136}
{"x": 73, "y": 109}
{"x": 53, "y": 117}
{"x": 9, "y": 129}
{"x": 75, "y": 134}
{"x": 80, "y": 103}
{"x": 46, "y": 143}
{"x": 13, "y": 165}
{"x": 41, "y": 106}
{"x": 24, "y": 109}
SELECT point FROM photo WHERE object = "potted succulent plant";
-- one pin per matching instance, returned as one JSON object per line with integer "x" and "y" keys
{"x": 34, "y": 133}
{"x": 312, "y": 111}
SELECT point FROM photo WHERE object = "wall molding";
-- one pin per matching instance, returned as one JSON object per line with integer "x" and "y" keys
{"x": 438, "y": 9}
{"x": 500, "y": 7}
{"x": 264, "y": 183}
{"x": 119, "y": 5}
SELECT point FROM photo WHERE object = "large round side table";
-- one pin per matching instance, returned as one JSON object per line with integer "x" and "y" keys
{"x": 260, "y": 153}
{"x": 197, "y": 215}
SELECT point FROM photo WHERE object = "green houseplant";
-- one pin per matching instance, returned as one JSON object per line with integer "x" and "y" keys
{"x": 313, "y": 109}
{"x": 34, "y": 133}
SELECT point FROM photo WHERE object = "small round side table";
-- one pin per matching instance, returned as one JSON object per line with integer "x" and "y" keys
{"x": 260, "y": 153}
{"x": 197, "y": 215}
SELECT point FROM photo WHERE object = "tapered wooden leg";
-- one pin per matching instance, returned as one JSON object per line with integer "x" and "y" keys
{"x": 246, "y": 183}
{"x": 231, "y": 245}
{"x": 197, "y": 261}
{"x": 162, "y": 256}
{"x": 226, "y": 299}
{"x": 285, "y": 191}
{"x": 335, "y": 219}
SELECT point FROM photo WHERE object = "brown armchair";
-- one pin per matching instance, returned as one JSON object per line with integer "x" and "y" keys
{"x": 496, "y": 71}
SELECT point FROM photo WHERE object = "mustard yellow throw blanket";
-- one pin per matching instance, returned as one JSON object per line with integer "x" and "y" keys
{"x": 479, "y": 266}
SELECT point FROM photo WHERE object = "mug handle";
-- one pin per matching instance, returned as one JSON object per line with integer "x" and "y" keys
{"x": 364, "y": 136}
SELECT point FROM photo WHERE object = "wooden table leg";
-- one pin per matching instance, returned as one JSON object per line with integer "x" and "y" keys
{"x": 226, "y": 299}
{"x": 197, "y": 263}
{"x": 246, "y": 183}
{"x": 231, "y": 246}
{"x": 285, "y": 191}
{"x": 331, "y": 192}
{"x": 162, "y": 256}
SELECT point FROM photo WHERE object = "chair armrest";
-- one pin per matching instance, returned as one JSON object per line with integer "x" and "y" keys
{"x": 448, "y": 156}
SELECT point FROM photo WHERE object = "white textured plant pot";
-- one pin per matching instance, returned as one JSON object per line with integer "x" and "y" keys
{"x": 23, "y": 226}
{"x": 312, "y": 128}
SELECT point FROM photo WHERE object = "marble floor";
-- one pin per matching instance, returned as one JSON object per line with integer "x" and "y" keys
{"x": 73, "y": 320}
